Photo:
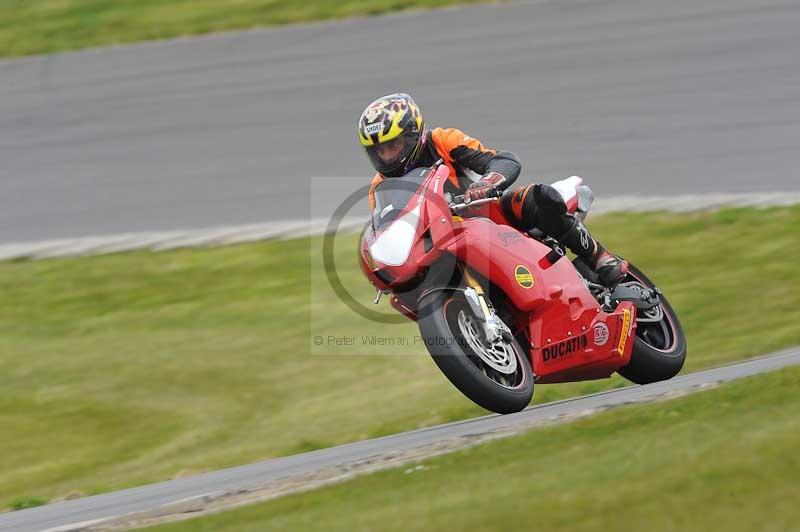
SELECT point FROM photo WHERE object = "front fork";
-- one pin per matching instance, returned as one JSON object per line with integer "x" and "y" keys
{"x": 493, "y": 327}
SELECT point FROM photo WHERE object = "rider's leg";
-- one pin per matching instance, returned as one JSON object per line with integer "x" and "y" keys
{"x": 541, "y": 206}
{"x": 609, "y": 268}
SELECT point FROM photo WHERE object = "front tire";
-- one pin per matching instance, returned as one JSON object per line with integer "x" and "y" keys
{"x": 491, "y": 379}
{"x": 659, "y": 350}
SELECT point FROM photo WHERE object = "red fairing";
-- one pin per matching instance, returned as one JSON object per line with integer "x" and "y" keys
{"x": 571, "y": 337}
{"x": 433, "y": 210}
{"x": 583, "y": 349}
{"x": 562, "y": 315}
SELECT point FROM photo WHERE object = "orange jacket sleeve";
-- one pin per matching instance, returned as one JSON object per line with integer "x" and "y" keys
{"x": 462, "y": 152}
{"x": 375, "y": 182}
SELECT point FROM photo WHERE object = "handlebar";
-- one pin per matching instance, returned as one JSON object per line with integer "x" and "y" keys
{"x": 458, "y": 202}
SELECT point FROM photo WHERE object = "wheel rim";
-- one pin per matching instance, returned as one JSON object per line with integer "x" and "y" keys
{"x": 655, "y": 327}
{"x": 498, "y": 355}
{"x": 499, "y": 363}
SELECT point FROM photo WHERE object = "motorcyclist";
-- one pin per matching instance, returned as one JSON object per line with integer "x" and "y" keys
{"x": 393, "y": 133}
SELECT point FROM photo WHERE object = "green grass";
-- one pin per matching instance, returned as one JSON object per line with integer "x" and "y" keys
{"x": 125, "y": 369}
{"x": 45, "y": 26}
{"x": 724, "y": 459}
{"x": 27, "y": 502}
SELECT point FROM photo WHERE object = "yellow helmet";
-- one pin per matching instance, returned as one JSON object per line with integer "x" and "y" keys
{"x": 391, "y": 130}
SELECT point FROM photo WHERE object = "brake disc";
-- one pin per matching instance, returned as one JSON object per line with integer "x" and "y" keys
{"x": 498, "y": 355}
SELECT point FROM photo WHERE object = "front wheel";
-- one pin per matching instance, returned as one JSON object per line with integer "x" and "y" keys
{"x": 497, "y": 376}
{"x": 659, "y": 350}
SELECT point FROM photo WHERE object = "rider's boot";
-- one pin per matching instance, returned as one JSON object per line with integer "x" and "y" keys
{"x": 609, "y": 268}
{"x": 549, "y": 213}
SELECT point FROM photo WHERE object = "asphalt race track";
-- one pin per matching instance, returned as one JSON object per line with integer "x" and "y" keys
{"x": 646, "y": 98}
{"x": 148, "y": 498}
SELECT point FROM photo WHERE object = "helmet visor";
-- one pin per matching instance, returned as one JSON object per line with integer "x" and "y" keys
{"x": 392, "y": 155}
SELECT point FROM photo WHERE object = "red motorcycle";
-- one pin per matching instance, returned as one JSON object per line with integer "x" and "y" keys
{"x": 499, "y": 309}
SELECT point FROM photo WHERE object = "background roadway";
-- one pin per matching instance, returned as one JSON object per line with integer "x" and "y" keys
{"x": 638, "y": 97}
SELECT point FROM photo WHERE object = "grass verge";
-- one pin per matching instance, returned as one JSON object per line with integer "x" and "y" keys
{"x": 46, "y": 26}
{"x": 717, "y": 460}
{"x": 125, "y": 369}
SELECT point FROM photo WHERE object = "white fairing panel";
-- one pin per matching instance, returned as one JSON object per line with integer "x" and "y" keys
{"x": 393, "y": 246}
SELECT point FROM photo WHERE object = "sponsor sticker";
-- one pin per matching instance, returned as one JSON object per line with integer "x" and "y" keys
{"x": 562, "y": 349}
{"x": 373, "y": 128}
{"x": 624, "y": 331}
{"x": 510, "y": 237}
{"x": 523, "y": 276}
{"x": 601, "y": 334}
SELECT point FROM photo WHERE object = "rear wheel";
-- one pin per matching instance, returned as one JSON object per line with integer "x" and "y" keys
{"x": 659, "y": 350}
{"x": 496, "y": 376}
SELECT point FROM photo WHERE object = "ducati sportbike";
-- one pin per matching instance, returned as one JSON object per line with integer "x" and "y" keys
{"x": 499, "y": 309}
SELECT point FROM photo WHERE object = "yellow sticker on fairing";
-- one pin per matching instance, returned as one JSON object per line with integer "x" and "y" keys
{"x": 523, "y": 276}
{"x": 624, "y": 332}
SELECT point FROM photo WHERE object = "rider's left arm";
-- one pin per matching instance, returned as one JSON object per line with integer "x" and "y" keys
{"x": 468, "y": 152}
{"x": 499, "y": 169}
{"x": 506, "y": 164}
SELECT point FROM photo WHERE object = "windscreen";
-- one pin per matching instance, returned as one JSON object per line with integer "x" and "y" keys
{"x": 393, "y": 194}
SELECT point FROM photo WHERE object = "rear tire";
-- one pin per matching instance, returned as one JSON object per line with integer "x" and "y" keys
{"x": 452, "y": 352}
{"x": 659, "y": 349}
